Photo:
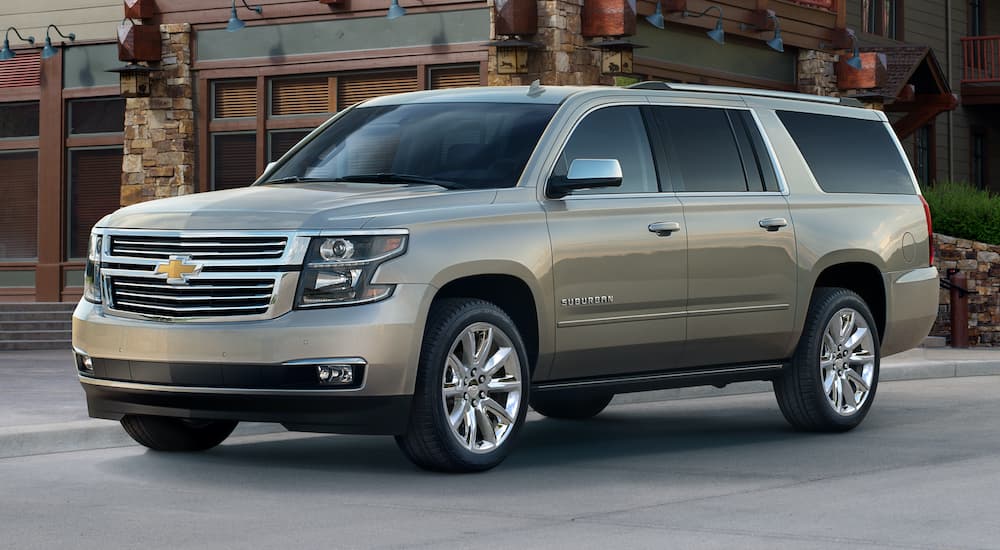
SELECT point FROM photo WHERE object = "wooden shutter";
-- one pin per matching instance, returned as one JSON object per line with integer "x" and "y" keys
{"x": 281, "y": 142}
{"x": 21, "y": 71}
{"x": 354, "y": 88}
{"x": 95, "y": 180}
{"x": 300, "y": 96}
{"x": 19, "y": 207}
{"x": 235, "y": 99}
{"x": 234, "y": 160}
{"x": 454, "y": 77}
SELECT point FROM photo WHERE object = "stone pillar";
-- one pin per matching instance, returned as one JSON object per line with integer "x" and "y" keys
{"x": 159, "y": 129}
{"x": 563, "y": 59}
{"x": 817, "y": 73}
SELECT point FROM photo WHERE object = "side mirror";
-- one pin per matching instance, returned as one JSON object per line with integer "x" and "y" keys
{"x": 586, "y": 174}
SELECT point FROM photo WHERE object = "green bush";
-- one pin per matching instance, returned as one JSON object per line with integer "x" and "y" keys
{"x": 963, "y": 211}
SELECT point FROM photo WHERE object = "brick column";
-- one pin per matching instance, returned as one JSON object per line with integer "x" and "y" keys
{"x": 159, "y": 129}
{"x": 564, "y": 58}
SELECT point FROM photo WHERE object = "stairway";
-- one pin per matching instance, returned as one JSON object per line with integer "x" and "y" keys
{"x": 35, "y": 325}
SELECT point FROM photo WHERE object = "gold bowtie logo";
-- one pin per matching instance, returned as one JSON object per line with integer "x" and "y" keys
{"x": 177, "y": 269}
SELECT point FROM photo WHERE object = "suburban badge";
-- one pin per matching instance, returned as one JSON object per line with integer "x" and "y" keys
{"x": 587, "y": 301}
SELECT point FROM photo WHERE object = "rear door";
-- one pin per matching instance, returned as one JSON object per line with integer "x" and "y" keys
{"x": 741, "y": 242}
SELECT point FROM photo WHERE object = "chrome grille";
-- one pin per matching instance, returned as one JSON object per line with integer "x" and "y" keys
{"x": 198, "y": 248}
{"x": 235, "y": 275}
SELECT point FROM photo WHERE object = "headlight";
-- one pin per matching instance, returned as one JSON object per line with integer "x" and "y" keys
{"x": 338, "y": 270}
{"x": 92, "y": 273}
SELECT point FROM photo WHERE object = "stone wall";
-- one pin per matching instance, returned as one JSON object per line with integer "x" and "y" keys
{"x": 159, "y": 129}
{"x": 817, "y": 73}
{"x": 981, "y": 264}
{"x": 564, "y": 58}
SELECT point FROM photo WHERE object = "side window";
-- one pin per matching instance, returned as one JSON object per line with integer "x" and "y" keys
{"x": 704, "y": 155}
{"x": 613, "y": 133}
{"x": 849, "y": 155}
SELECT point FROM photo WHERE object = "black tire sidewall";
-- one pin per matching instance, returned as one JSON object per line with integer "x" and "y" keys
{"x": 432, "y": 368}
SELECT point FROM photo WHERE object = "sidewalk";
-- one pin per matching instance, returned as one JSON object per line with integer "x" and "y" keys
{"x": 43, "y": 410}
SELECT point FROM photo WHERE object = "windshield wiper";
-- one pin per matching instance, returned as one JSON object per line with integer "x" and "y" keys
{"x": 390, "y": 177}
{"x": 295, "y": 179}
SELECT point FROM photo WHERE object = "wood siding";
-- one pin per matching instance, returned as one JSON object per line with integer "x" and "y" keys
{"x": 89, "y": 19}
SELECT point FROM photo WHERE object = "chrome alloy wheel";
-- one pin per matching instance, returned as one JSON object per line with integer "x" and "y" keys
{"x": 847, "y": 361}
{"x": 481, "y": 387}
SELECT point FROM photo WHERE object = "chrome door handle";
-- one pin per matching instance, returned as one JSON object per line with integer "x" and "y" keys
{"x": 773, "y": 224}
{"x": 664, "y": 229}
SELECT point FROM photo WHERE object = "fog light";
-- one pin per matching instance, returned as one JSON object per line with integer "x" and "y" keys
{"x": 84, "y": 363}
{"x": 335, "y": 375}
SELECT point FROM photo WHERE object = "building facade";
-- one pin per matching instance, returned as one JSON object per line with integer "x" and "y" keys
{"x": 223, "y": 103}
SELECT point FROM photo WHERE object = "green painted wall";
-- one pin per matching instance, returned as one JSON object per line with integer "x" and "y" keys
{"x": 87, "y": 66}
{"x": 421, "y": 29}
{"x": 737, "y": 55}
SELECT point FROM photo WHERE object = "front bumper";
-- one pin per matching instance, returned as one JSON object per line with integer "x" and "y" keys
{"x": 187, "y": 369}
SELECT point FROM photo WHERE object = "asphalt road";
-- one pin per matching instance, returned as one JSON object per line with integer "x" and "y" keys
{"x": 923, "y": 471}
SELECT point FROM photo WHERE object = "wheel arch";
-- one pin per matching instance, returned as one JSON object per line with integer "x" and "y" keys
{"x": 863, "y": 278}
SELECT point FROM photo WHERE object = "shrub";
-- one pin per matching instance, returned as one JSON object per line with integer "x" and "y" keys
{"x": 963, "y": 211}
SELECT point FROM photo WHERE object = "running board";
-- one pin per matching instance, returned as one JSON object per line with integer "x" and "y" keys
{"x": 718, "y": 376}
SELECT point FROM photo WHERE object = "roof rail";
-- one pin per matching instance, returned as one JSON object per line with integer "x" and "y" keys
{"x": 655, "y": 85}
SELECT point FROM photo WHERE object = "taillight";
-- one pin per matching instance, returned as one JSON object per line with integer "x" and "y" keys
{"x": 930, "y": 229}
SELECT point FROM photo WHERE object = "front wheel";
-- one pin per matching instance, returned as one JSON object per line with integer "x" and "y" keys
{"x": 471, "y": 394}
{"x": 831, "y": 382}
{"x": 161, "y": 433}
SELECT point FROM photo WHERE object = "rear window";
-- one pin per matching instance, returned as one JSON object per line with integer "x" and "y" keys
{"x": 849, "y": 155}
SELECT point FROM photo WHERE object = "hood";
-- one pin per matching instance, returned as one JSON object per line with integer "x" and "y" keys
{"x": 291, "y": 206}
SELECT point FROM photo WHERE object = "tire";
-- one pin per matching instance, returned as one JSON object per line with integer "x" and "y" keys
{"x": 821, "y": 391}
{"x": 447, "y": 398}
{"x": 570, "y": 405}
{"x": 162, "y": 433}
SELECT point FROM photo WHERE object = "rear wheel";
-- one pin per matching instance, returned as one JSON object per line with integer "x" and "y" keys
{"x": 570, "y": 404}
{"x": 161, "y": 433}
{"x": 472, "y": 388}
{"x": 831, "y": 383}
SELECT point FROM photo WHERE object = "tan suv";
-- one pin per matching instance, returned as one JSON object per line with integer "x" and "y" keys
{"x": 427, "y": 265}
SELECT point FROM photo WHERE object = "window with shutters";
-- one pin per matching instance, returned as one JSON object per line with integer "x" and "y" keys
{"x": 461, "y": 76}
{"x": 23, "y": 71}
{"x": 93, "y": 189}
{"x": 302, "y": 96}
{"x": 279, "y": 142}
{"x": 19, "y": 207}
{"x": 358, "y": 87}
{"x": 234, "y": 99}
{"x": 234, "y": 157}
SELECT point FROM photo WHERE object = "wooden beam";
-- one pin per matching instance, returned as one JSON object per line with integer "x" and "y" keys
{"x": 51, "y": 160}
{"x": 928, "y": 107}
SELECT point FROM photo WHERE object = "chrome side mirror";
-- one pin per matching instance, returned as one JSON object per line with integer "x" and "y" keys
{"x": 586, "y": 174}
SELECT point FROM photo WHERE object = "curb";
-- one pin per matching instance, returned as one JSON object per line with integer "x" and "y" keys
{"x": 93, "y": 434}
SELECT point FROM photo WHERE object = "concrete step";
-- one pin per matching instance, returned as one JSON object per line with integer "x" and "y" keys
{"x": 10, "y": 316}
{"x": 23, "y": 335}
{"x": 34, "y": 325}
{"x": 37, "y": 306}
{"x": 23, "y": 345}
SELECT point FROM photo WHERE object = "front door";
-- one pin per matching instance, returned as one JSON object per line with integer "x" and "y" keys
{"x": 619, "y": 257}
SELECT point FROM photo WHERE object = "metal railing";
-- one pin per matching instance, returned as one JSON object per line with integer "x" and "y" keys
{"x": 981, "y": 59}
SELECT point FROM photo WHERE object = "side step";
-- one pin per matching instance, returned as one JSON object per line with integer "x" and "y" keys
{"x": 716, "y": 376}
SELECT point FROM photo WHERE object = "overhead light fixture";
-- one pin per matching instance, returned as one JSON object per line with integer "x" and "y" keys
{"x": 7, "y": 53}
{"x": 775, "y": 43}
{"x": 49, "y": 50}
{"x": 235, "y": 23}
{"x": 395, "y": 10}
{"x": 717, "y": 34}
{"x": 656, "y": 19}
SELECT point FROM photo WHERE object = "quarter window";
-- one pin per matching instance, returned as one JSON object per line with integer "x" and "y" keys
{"x": 613, "y": 133}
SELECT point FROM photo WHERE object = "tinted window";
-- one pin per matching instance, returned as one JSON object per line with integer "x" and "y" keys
{"x": 849, "y": 155}
{"x": 18, "y": 120}
{"x": 96, "y": 116}
{"x": 613, "y": 133}
{"x": 475, "y": 145}
{"x": 705, "y": 156}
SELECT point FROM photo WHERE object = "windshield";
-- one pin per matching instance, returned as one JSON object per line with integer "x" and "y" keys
{"x": 454, "y": 145}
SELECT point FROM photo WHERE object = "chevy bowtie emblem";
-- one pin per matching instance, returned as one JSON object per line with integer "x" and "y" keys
{"x": 178, "y": 269}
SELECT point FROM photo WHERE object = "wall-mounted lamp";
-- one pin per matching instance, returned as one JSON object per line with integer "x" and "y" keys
{"x": 7, "y": 53}
{"x": 855, "y": 60}
{"x": 775, "y": 43}
{"x": 716, "y": 34}
{"x": 395, "y": 10}
{"x": 235, "y": 23}
{"x": 49, "y": 50}
{"x": 512, "y": 55}
{"x": 134, "y": 80}
{"x": 616, "y": 56}
{"x": 656, "y": 19}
